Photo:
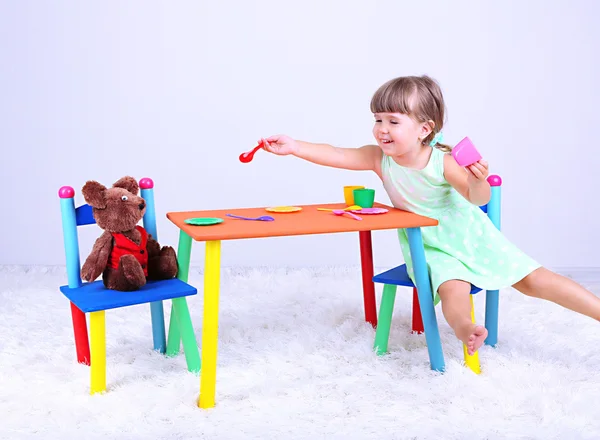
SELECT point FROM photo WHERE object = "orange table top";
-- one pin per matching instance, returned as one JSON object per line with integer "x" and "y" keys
{"x": 307, "y": 221}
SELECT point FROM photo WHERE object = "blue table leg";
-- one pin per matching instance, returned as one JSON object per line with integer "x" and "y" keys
{"x": 432, "y": 334}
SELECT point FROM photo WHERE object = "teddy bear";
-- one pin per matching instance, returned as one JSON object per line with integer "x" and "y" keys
{"x": 125, "y": 254}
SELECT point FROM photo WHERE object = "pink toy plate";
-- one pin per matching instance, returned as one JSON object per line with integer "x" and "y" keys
{"x": 465, "y": 153}
{"x": 371, "y": 211}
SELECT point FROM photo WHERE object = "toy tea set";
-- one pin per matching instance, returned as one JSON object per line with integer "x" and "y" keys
{"x": 359, "y": 200}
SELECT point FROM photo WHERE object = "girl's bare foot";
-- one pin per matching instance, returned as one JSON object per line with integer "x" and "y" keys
{"x": 472, "y": 336}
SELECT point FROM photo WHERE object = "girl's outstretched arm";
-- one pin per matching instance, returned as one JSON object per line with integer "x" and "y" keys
{"x": 365, "y": 158}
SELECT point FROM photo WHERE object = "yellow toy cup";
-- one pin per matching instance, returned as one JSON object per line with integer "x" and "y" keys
{"x": 349, "y": 194}
{"x": 364, "y": 197}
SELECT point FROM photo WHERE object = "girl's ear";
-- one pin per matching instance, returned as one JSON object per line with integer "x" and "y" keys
{"x": 427, "y": 128}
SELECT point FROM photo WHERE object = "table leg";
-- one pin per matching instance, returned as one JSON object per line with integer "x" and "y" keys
{"x": 210, "y": 324}
{"x": 174, "y": 338}
{"x": 417, "y": 321}
{"x": 98, "y": 354}
{"x": 432, "y": 334}
{"x": 184, "y": 251}
{"x": 186, "y": 330}
{"x": 366, "y": 262}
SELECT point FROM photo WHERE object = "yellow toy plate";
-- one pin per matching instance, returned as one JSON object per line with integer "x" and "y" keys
{"x": 284, "y": 209}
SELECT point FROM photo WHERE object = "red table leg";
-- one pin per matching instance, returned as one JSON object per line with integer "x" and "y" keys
{"x": 417, "y": 319}
{"x": 366, "y": 262}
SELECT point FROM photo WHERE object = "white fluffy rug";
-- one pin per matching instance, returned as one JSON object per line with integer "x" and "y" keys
{"x": 295, "y": 362}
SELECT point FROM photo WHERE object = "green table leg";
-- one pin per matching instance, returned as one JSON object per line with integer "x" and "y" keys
{"x": 183, "y": 261}
{"x": 184, "y": 321}
{"x": 174, "y": 338}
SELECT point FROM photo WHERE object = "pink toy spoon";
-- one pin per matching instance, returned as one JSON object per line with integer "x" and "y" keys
{"x": 247, "y": 157}
{"x": 342, "y": 212}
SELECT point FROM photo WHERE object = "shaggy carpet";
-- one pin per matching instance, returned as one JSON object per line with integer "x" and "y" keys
{"x": 295, "y": 362}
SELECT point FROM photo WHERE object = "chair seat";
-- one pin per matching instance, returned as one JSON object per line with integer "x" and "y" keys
{"x": 398, "y": 276}
{"x": 92, "y": 297}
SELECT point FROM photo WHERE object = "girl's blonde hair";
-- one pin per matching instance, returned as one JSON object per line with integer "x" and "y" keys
{"x": 419, "y": 97}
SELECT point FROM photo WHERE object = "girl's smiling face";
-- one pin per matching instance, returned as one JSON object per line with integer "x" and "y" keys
{"x": 398, "y": 134}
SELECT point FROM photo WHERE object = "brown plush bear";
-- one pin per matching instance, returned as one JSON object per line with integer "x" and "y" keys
{"x": 125, "y": 254}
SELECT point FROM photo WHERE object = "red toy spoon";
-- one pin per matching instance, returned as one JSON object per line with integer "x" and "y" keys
{"x": 247, "y": 157}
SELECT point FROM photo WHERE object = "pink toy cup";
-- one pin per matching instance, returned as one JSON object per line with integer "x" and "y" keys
{"x": 465, "y": 153}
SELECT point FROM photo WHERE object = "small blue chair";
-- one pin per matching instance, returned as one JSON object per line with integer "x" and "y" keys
{"x": 94, "y": 298}
{"x": 398, "y": 276}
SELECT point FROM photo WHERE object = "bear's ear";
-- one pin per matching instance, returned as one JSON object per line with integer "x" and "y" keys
{"x": 93, "y": 193}
{"x": 128, "y": 183}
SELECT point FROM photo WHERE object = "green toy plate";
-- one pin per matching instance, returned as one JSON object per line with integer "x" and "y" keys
{"x": 203, "y": 221}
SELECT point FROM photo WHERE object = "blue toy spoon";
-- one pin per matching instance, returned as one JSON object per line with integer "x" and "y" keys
{"x": 264, "y": 218}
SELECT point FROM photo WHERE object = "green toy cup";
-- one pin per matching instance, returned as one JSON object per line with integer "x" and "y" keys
{"x": 364, "y": 197}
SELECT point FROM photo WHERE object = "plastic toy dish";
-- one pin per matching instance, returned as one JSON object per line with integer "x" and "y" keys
{"x": 284, "y": 209}
{"x": 203, "y": 221}
{"x": 370, "y": 211}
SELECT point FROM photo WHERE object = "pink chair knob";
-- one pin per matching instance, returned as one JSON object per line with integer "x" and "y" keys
{"x": 494, "y": 180}
{"x": 146, "y": 183}
{"x": 66, "y": 192}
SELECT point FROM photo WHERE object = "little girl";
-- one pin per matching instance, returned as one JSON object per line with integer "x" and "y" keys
{"x": 420, "y": 176}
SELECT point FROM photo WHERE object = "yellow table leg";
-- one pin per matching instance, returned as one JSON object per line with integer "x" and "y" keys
{"x": 98, "y": 352}
{"x": 210, "y": 324}
{"x": 472, "y": 361}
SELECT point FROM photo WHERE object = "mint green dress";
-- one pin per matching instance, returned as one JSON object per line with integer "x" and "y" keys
{"x": 465, "y": 245}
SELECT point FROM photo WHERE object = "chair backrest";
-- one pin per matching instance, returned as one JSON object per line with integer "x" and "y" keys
{"x": 82, "y": 215}
{"x": 493, "y": 207}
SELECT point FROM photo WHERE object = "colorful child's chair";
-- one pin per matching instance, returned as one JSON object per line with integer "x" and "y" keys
{"x": 398, "y": 276}
{"x": 94, "y": 298}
